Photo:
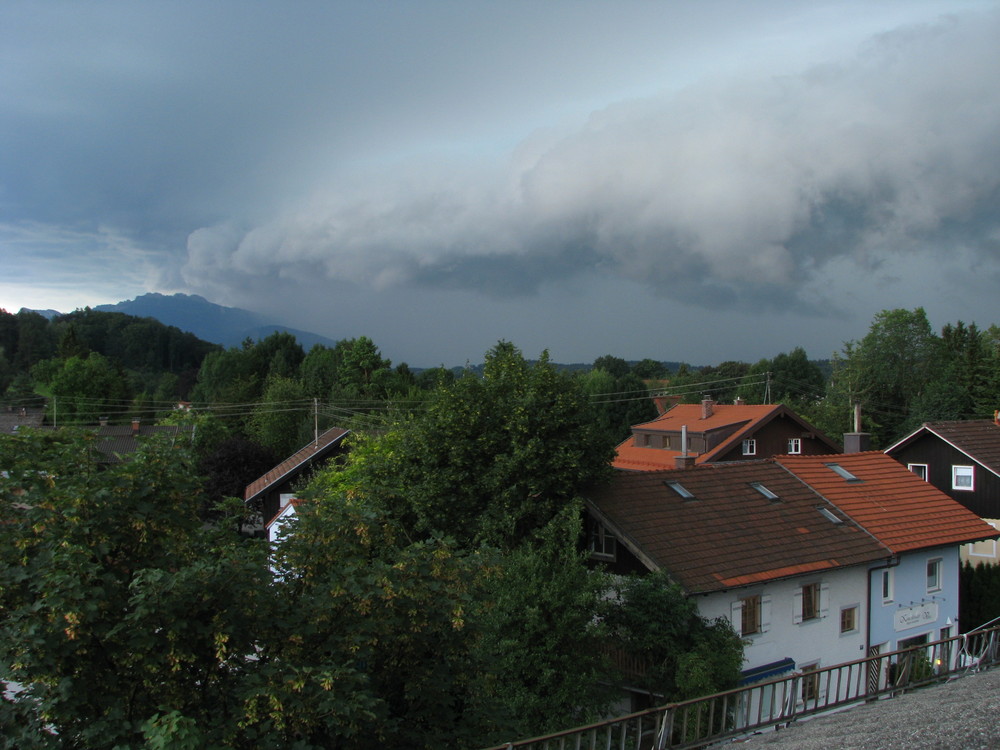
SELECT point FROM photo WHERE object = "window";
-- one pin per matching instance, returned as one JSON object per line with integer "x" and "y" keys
{"x": 773, "y": 497}
{"x": 886, "y": 586}
{"x": 962, "y": 478}
{"x": 840, "y": 471}
{"x": 810, "y": 683}
{"x": 919, "y": 469}
{"x": 795, "y": 445}
{"x": 680, "y": 489}
{"x": 810, "y": 601}
{"x": 750, "y": 615}
{"x": 750, "y": 447}
{"x": 830, "y": 516}
{"x": 603, "y": 544}
{"x": 849, "y": 619}
{"x": 934, "y": 575}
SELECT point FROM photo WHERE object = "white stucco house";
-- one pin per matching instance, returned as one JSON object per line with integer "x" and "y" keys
{"x": 792, "y": 551}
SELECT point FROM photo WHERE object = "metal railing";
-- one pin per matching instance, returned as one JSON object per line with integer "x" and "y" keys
{"x": 764, "y": 705}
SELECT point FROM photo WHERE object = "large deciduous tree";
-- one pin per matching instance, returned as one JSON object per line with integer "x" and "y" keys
{"x": 493, "y": 458}
{"x": 116, "y": 603}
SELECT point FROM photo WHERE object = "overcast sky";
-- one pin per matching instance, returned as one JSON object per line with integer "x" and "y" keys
{"x": 692, "y": 181}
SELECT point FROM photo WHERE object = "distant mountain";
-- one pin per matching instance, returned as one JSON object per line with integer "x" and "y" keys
{"x": 47, "y": 314}
{"x": 228, "y": 326}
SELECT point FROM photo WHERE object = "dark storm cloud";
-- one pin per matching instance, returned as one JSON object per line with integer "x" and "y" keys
{"x": 732, "y": 192}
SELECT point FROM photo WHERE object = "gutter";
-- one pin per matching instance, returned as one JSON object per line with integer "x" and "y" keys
{"x": 891, "y": 562}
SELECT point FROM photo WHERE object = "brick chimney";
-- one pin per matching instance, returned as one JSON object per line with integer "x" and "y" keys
{"x": 684, "y": 461}
{"x": 739, "y": 401}
{"x": 135, "y": 426}
{"x": 707, "y": 407}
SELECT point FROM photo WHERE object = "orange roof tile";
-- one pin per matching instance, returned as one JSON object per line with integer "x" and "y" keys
{"x": 893, "y": 504}
{"x": 742, "y": 419}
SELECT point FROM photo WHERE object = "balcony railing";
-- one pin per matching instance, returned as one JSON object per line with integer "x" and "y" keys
{"x": 765, "y": 705}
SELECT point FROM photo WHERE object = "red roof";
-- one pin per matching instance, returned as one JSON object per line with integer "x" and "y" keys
{"x": 315, "y": 449}
{"x": 741, "y": 419}
{"x": 729, "y": 534}
{"x": 896, "y": 506}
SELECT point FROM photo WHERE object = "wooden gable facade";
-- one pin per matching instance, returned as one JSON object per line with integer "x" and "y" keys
{"x": 960, "y": 458}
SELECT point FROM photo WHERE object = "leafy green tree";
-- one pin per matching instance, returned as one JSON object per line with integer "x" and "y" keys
{"x": 318, "y": 371}
{"x": 85, "y": 389}
{"x": 434, "y": 377}
{"x": 617, "y": 402}
{"x": 35, "y": 340}
{"x": 543, "y": 665}
{"x": 887, "y": 372}
{"x": 616, "y": 366}
{"x": 686, "y": 656}
{"x": 722, "y": 382}
{"x": 650, "y": 369}
{"x": 230, "y": 466}
{"x": 116, "y": 602}
{"x": 362, "y": 372}
{"x": 280, "y": 420}
{"x": 380, "y": 655}
{"x": 491, "y": 459}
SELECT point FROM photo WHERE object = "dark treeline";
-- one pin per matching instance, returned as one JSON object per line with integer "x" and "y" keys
{"x": 271, "y": 395}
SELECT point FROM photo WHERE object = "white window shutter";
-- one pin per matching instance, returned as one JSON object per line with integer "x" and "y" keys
{"x": 737, "y": 615}
{"x": 765, "y": 613}
{"x": 824, "y": 599}
{"x": 797, "y": 607}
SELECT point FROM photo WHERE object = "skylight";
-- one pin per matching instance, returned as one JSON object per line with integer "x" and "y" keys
{"x": 830, "y": 516}
{"x": 680, "y": 489}
{"x": 764, "y": 491}
{"x": 842, "y": 472}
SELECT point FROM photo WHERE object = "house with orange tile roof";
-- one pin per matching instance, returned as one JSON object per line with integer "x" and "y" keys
{"x": 789, "y": 556}
{"x": 744, "y": 539}
{"x": 913, "y": 593}
{"x": 272, "y": 491}
{"x": 962, "y": 459}
{"x": 710, "y": 432}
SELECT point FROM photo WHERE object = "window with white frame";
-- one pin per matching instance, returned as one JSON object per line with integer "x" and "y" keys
{"x": 603, "y": 544}
{"x": 962, "y": 478}
{"x": 749, "y": 447}
{"x": 751, "y": 614}
{"x": 934, "y": 575}
{"x": 886, "y": 586}
{"x": 919, "y": 469}
{"x": 810, "y": 602}
{"x": 849, "y": 619}
{"x": 810, "y": 683}
{"x": 794, "y": 445}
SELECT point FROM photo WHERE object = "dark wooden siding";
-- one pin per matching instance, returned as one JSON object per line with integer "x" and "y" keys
{"x": 772, "y": 440}
{"x": 939, "y": 457}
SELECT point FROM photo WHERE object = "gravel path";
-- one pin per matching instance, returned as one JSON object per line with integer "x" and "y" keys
{"x": 963, "y": 714}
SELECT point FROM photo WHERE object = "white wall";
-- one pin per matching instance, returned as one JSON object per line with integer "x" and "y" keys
{"x": 817, "y": 641}
{"x": 912, "y": 609}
